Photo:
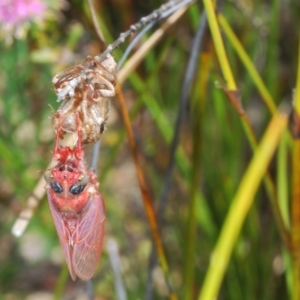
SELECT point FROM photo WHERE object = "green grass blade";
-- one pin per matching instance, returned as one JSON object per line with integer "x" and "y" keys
{"x": 240, "y": 207}
{"x": 248, "y": 64}
{"x": 219, "y": 46}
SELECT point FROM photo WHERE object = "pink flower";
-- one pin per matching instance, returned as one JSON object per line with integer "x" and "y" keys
{"x": 15, "y": 12}
{"x": 17, "y": 16}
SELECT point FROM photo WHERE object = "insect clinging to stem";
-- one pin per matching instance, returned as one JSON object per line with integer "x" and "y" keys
{"x": 77, "y": 208}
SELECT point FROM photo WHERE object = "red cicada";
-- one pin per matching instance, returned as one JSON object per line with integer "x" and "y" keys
{"x": 77, "y": 209}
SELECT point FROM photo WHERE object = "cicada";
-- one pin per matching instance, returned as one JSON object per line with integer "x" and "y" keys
{"x": 77, "y": 208}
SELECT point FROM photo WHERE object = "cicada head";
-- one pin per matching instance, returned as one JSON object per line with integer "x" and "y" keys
{"x": 68, "y": 187}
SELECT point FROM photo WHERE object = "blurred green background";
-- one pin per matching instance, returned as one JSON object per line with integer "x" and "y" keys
{"x": 61, "y": 34}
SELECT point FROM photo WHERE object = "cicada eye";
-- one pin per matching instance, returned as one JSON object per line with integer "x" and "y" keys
{"x": 76, "y": 189}
{"x": 57, "y": 188}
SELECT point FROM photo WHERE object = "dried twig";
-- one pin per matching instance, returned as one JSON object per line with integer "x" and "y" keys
{"x": 32, "y": 203}
{"x": 134, "y": 61}
{"x": 156, "y": 14}
{"x": 167, "y": 13}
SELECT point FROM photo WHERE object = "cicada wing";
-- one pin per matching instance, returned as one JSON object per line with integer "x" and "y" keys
{"x": 89, "y": 238}
{"x": 63, "y": 235}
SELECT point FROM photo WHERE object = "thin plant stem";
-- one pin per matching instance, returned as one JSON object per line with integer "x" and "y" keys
{"x": 296, "y": 220}
{"x": 283, "y": 183}
{"x": 148, "y": 203}
{"x": 95, "y": 155}
{"x": 183, "y": 106}
{"x": 182, "y": 109}
{"x": 96, "y": 23}
{"x": 156, "y": 14}
{"x": 295, "y": 228}
{"x": 264, "y": 92}
{"x": 219, "y": 46}
{"x": 133, "y": 43}
{"x": 262, "y": 89}
{"x": 89, "y": 289}
{"x": 138, "y": 37}
{"x": 134, "y": 61}
{"x": 115, "y": 262}
{"x": 197, "y": 110}
{"x": 271, "y": 66}
{"x": 32, "y": 203}
{"x": 297, "y": 91}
